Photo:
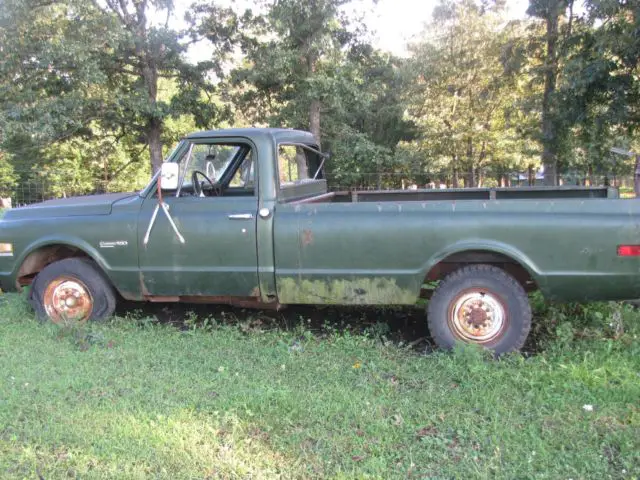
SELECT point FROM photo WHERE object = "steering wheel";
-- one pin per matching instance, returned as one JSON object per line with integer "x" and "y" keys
{"x": 197, "y": 186}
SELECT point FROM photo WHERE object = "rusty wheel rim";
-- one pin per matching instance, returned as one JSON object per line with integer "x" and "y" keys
{"x": 68, "y": 299}
{"x": 477, "y": 316}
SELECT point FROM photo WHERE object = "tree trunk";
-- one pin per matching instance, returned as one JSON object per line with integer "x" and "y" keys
{"x": 149, "y": 71}
{"x": 314, "y": 107}
{"x": 154, "y": 123}
{"x": 470, "y": 178}
{"x": 531, "y": 175}
{"x": 550, "y": 149}
{"x": 471, "y": 181}
{"x": 636, "y": 179}
{"x": 314, "y": 120}
{"x": 154, "y": 131}
{"x": 301, "y": 163}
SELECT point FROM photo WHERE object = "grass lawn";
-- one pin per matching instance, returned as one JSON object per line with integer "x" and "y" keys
{"x": 135, "y": 398}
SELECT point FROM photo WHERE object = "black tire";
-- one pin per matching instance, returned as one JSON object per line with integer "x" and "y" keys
{"x": 80, "y": 271}
{"x": 471, "y": 298}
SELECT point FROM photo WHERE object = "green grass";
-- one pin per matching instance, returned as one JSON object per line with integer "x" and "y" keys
{"x": 136, "y": 399}
{"x": 627, "y": 192}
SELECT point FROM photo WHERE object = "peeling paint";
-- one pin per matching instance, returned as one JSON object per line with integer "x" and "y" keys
{"x": 359, "y": 291}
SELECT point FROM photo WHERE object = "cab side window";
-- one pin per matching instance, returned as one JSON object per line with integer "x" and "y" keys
{"x": 292, "y": 165}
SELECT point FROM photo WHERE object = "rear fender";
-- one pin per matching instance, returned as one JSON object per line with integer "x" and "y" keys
{"x": 487, "y": 246}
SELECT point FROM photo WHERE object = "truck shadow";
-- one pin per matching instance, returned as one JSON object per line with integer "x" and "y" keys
{"x": 402, "y": 326}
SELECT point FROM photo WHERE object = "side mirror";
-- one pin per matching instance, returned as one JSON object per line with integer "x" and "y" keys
{"x": 169, "y": 175}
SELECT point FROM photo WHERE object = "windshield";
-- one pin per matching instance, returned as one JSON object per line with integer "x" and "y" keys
{"x": 211, "y": 159}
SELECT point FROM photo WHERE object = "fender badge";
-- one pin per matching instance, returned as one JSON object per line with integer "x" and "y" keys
{"x": 116, "y": 243}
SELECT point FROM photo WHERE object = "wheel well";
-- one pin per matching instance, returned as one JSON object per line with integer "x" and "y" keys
{"x": 458, "y": 260}
{"x": 40, "y": 258}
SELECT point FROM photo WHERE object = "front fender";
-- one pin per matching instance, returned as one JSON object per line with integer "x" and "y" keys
{"x": 71, "y": 241}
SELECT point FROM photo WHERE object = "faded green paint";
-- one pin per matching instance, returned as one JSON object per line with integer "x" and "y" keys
{"x": 357, "y": 291}
{"x": 376, "y": 250}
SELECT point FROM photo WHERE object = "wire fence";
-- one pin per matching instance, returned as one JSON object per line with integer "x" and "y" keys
{"x": 38, "y": 190}
{"x": 420, "y": 180}
{"x": 33, "y": 190}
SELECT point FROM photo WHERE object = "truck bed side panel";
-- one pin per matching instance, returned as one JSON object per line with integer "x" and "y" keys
{"x": 380, "y": 253}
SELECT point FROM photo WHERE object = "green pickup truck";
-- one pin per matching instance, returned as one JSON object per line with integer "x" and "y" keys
{"x": 244, "y": 216}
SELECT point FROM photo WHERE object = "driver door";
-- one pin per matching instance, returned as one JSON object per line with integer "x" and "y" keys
{"x": 215, "y": 211}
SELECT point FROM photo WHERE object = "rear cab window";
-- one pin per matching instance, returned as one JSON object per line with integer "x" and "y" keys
{"x": 299, "y": 172}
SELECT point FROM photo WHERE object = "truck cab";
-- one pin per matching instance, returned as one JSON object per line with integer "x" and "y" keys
{"x": 229, "y": 183}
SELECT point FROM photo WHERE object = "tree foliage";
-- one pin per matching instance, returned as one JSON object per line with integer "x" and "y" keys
{"x": 309, "y": 65}
{"x": 96, "y": 72}
{"x": 465, "y": 96}
{"x": 92, "y": 92}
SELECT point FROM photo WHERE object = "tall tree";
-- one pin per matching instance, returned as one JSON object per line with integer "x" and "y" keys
{"x": 80, "y": 68}
{"x": 591, "y": 88}
{"x": 463, "y": 94}
{"x": 551, "y": 12}
{"x": 308, "y": 65}
{"x": 145, "y": 53}
{"x": 51, "y": 82}
{"x": 602, "y": 68}
{"x": 290, "y": 58}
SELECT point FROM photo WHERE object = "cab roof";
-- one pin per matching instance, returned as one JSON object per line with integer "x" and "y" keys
{"x": 278, "y": 134}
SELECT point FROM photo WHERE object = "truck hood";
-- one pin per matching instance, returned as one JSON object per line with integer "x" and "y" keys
{"x": 66, "y": 207}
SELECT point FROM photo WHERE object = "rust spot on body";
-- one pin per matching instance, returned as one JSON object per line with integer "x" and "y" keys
{"x": 307, "y": 237}
{"x": 246, "y": 302}
{"x": 255, "y": 291}
{"x": 143, "y": 288}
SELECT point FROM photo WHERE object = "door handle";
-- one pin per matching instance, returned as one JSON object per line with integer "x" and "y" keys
{"x": 240, "y": 216}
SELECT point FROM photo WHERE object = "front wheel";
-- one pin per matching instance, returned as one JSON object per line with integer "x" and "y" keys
{"x": 72, "y": 290}
{"x": 480, "y": 304}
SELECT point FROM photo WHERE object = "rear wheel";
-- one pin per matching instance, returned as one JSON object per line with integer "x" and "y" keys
{"x": 72, "y": 290}
{"x": 480, "y": 304}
